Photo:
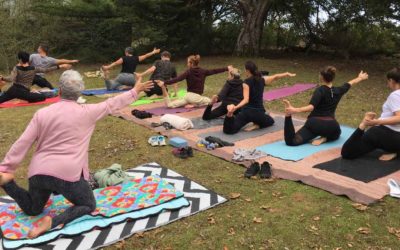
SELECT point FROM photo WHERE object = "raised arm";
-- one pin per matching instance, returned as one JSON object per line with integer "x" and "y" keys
{"x": 270, "y": 79}
{"x": 209, "y": 72}
{"x": 144, "y": 57}
{"x": 111, "y": 105}
{"x": 19, "y": 149}
{"x": 361, "y": 77}
{"x": 116, "y": 63}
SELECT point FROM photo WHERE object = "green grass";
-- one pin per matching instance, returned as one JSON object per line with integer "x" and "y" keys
{"x": 291, "y": 220}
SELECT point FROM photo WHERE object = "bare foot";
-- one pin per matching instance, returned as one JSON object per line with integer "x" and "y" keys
{"x": 388, "y": 157}
{"x": 251, "y": 127}
{"x": 154, "y": 97}
{"x": 368, "y": 116}
{"x": 319, "y": 141}
{"x": 44, "y": 225}
{"x": 5, "y": 178}
{"x": 189, "y": 106}
{"x": 231, "y": 110}
{"x": 288, "y": 106}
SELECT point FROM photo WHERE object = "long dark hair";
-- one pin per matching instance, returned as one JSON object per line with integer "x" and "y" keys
{"x": 253, "y": 69}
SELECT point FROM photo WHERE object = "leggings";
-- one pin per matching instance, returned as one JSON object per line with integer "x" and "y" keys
{"x": 20, "y": 92}
{"x": 362, "y": 142}
{"x": 234, "y": 124}
{"x": 314, "y": 127}
{"x": 41, "y": 82}
{"x": 123, "y": 79}
{"x": 32, "y": 202}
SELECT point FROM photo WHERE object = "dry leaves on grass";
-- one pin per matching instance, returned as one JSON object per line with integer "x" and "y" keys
{"x": 360, "y": 207}
{"x": 269, "y": 209}
{"x": 316, "y": 218}
{"x": 231, "y": 231}
{"x": 364, "y": 230}
{"x": 313, "y": 229}
{"x": 211, "y": 220}
{"x": 234, "y": 196}
{"x": 394, "y": 231}
{"x": 248, "y": 199}
{"x": 257, "y": 220}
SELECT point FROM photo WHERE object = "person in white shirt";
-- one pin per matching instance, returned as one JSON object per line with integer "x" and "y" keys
{"x": 383, "y": 132}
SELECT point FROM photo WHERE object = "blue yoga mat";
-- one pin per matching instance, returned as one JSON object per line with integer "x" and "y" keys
{"x": 90, "y": 92}
{"x": 281, "y": 150}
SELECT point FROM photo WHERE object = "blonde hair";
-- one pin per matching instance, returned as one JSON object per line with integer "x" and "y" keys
{"x": 194, "y": 60}
{"x": 235, "y": 73}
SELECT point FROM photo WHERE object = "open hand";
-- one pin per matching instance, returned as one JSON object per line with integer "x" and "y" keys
{"x": 75, "y": 61}
{"x": 290, "y": 74}
{"x": 143, "y": 86}
{"x": 371, "y": 122}
{"x": 156, "y": 51}
{"x": 363, "y": 75}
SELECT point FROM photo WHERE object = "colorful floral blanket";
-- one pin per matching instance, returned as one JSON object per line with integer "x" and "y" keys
{"x": 111, "y": 201}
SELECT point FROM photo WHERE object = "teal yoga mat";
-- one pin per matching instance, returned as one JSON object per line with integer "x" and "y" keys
{"x": 281, "y": 150}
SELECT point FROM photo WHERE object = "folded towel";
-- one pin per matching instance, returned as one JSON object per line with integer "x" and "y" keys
{"x": 177, "y": 122}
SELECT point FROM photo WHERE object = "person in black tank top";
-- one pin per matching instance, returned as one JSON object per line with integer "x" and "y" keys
{"x": 321, "y": 122}
{"x": 252, "y": 106}
{"x": 129, "y": 63}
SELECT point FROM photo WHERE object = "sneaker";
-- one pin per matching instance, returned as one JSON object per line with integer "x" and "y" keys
{"x": 153, "y": 141}
{"x": 252, "y": 170}
{"x": 189, "y": 151}
{"x": 265, "y": 171}
{"x": 161, "y": 141}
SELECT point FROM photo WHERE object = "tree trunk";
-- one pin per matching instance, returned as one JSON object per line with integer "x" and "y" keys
{"x": 254, "y": 13}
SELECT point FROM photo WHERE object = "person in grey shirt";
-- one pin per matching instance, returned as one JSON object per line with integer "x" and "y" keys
{"x": 42, "y": 60}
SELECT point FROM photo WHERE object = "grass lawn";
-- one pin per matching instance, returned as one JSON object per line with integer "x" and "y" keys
{"x": 295, "y": 216}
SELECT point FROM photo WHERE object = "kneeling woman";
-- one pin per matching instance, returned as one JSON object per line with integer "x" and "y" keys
{"x": 384, "y": 133}
{"x": 62, "y": 133}
{"x": 231, "y": 93}
{"x": 252, "y": 105}
{"x": 321, "y": 122}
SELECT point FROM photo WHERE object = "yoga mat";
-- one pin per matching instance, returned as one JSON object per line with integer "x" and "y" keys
{"x": 199, "y": 197}
{"x": 287, "y": 91}
{"x": 164, "y": 110}
{"x": 21, "y": 103}
{"x": 147, "y": 100}
{"x": 243, "y": 135}
{"x": 366, "y": 168}
{"x": 295, "y": 153}
{"x": 111, "y": 201}
{"x": 199, "y": 123}
{"x": 90, "y": 92}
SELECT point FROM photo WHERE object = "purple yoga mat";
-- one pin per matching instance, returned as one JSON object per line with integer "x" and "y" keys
{"x": 287, "y": 91}
{"x": 164, "y": 110}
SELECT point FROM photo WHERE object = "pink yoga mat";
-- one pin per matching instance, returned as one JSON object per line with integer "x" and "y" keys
{"x": 287, "y": 91}
{"x": 20, "y": 103}
{"x": 164, "y": 110}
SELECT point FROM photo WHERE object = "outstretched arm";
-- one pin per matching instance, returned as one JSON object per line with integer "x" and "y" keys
{"x": 144, "y": 57}
{"x": 116, "y": 63}
{"x": 270, "y": 79}
{"x": 217, "y": 71}
{"x": 66, "y": 61}
{"x": 20, "y": 148}
{"x": 179, "y": 78}
{"x": 148, "y": 71}
{"x": 361, "y": 77}
{"x": 45, "y": 70}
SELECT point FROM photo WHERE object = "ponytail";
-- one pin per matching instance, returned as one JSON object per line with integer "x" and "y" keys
{"x": 253, "y": 69}
{"x": 194, "y": 60}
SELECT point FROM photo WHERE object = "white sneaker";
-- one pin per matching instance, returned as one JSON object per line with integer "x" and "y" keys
{"x": 81, "y": 100}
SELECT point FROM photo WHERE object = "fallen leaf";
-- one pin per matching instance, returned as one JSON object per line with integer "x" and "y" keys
{"x": 231, "y": 231}
{"x": 316, "y": 218}
{"x": 211, "y": 220}
{"x": 359, "y": 207}
{"x": 364, "y": 230}
{"x": 248, "y": 200}
{"x": 394, "y": 231}
{"x": 265, "y": 207}
{"x": 234, "y": 196}
{"x": 257, "y": 220}
{"x": 350, "y": 245}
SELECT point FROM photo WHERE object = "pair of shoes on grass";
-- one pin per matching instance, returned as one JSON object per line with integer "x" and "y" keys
{"x": 264, "y": 170}
{"x": 157, "y": 141}
{"x": 183, "y": 153}
{"x": 208, "y": 145}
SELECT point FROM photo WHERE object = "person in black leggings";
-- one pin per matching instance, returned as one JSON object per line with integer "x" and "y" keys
{"x": 321, "y": 121}
{"x": 252, "y": 105}
{"x": 384, "y": 133}
{"x": 231, "y": 93}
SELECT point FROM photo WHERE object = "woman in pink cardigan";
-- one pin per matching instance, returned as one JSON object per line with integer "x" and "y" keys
{"x": 62, "y": 133}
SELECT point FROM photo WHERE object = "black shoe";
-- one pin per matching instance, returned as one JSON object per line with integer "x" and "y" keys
{"x": 252, "y": 170}
{"x": 189, "y": 151}
{"x": 265, "y": 171}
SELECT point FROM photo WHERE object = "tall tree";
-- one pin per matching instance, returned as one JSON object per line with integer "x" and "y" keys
{"x": 253, "y": 13}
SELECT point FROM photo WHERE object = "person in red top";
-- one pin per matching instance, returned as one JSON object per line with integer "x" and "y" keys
{"x": 195, "y": 79}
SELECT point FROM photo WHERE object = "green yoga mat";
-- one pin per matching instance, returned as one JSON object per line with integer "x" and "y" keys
{"x": 146, "y": 100}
